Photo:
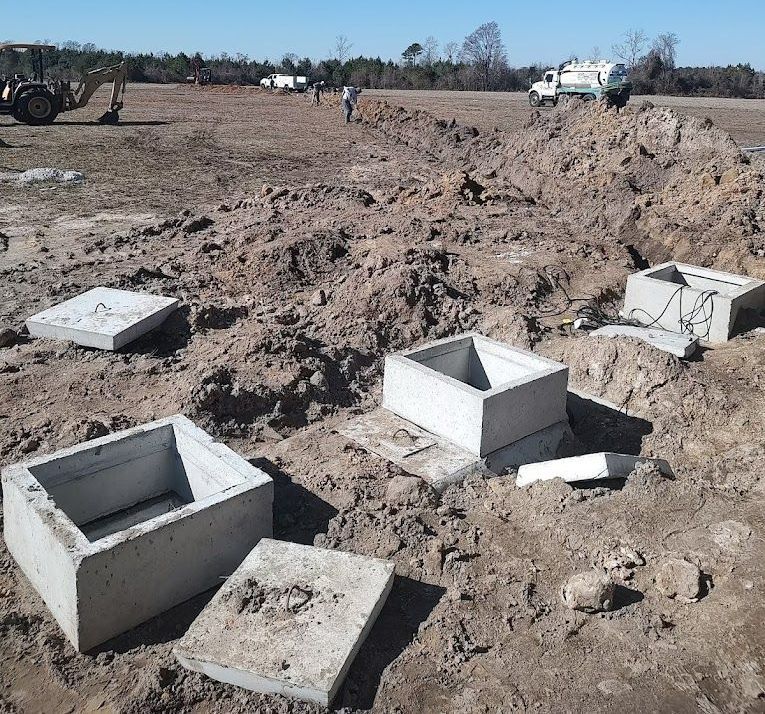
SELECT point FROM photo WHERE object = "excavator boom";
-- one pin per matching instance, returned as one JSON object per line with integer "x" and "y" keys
{"x": 79, "y": 97}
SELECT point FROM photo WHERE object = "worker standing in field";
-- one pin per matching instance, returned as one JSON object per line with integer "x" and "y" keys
{"x": 349, "y": 101}
{"x": 316, "y": 99}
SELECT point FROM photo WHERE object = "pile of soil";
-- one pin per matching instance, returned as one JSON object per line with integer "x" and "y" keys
{"x": 292, "y": 297}
{"x": 675, "y": 186}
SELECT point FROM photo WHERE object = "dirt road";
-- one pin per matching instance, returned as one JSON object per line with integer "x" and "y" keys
{"x": 246, "y": 206}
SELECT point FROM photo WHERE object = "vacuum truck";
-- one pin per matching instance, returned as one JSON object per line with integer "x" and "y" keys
{"x": 596, "y": 79}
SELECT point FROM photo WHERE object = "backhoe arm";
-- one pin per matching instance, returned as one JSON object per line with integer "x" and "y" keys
{"x": 117, "y": 74}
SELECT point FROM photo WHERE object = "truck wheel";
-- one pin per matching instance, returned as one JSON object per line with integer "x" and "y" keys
{"x": 588, "y": 97}
{"x": 534, "y": 99}
{"x": 37, "y": 107}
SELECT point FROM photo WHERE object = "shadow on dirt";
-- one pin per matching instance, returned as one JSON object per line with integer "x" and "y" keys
{"x": 172, "y": 335}
{"x": 409, "y": 604}
{"x": 602, "y": 428}
{"x": 299, "y": 515}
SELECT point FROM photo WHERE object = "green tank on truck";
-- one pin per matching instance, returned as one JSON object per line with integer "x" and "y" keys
{"x": 595, "y": 79}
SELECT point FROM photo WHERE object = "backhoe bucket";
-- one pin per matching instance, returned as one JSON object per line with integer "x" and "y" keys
{"x": 111, "y": 117}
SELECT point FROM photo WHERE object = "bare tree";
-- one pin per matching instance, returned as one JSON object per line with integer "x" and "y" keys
{"x": 665, "y": 45}
{"x": 595, "y": 53}
{"x": 430, "y": 50}
{"x": 342, "y": 48}
{"x": 630, "y": 49}
{"x": 451, "y": 49}
{"x": 483, "y": 48}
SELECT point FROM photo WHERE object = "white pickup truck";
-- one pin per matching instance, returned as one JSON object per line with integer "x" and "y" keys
{"x": 588, "y": 80}
{"x": 292, "y": 82}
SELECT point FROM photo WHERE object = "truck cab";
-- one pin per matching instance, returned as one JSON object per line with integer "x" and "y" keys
{"x": 546, "y": 90}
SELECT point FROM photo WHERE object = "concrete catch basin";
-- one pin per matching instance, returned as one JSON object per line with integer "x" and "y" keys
{"x": 115, "y": 531}
{"x": 689, "y": 299}
{"x": 478, "y": 393}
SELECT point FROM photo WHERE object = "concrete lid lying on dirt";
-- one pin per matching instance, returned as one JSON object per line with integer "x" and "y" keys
{"x": 438, "y": 461}
{"x": 680, "y": 345}
{"x": 289, "y": 620}
{"x": 590, "y": 467}
{"x": 104, "y": 318}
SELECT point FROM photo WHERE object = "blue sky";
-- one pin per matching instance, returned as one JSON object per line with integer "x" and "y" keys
{"x": 711, "y": 31}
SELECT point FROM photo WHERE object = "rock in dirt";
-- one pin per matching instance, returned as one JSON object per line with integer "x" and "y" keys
{"x": 8, "y": 337}
{"x": 592, "y": 591}
{"x": 679, "y": 580}
{"x": 44, "y": 175}
{"x": 319, "y": 298}
{"x": 409, "y": 490}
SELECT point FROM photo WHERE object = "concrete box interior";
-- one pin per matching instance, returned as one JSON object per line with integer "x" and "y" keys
{"x": 106, "y": 489}
{"x": 690, "y": 299}
{"x": 117, "y": 530}
{"x": 476, "y": 392}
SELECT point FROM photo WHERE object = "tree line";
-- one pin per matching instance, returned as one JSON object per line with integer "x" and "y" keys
{"x": 478, "y": 62}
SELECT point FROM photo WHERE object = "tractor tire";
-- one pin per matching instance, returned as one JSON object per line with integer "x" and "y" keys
{"x": 37, "y": 107}
{"x": 588, "y": 97}
{"x": 534, "y": 99}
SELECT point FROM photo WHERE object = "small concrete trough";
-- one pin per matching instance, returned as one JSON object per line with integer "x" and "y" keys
{"x": 103, "y": 318}
{"x": 119, "y": 529}
{"x": 479, "y": 394}
{"x": 693, "y": 300}
{"x": 589, "y": 467}
{"x": 289, "y": 621}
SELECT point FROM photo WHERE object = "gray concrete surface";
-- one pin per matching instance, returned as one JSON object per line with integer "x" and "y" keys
{"x": 289, "y": 621}
{"x": 478, "y": 393}
{"x": 689, "y": 299}
{"x": 679, "y": 345}
{"x": 104, "y": 318}
{"x": 114, "y": 531}
{"x": 589, "y": 467}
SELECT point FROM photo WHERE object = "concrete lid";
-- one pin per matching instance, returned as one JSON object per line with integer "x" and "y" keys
{"x": 290, "y": 620}
{"x": 588, "y": 467}
{"x": 101, "y": 316}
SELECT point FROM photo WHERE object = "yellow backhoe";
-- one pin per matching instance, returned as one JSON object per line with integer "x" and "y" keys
{"x": 36, "y": 100}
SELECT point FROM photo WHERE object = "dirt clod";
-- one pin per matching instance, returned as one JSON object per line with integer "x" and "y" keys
{"x": 592, "y": 591}
{"x": 679, "y": 579}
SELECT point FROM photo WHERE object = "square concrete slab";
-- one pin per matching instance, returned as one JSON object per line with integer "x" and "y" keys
{"x": 589, "y": 467}
{"x": 439, "y": 461}
{"x": 479, "y": 394}
{"x": 289, "y": 621}
{"x": 119, "y": 529}
{"x": 679, "y": 345}
{"x": 102, "y": 317}
{"x": 691, "y": 300}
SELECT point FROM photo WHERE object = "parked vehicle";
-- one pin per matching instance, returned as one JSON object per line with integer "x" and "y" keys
{"x": 588, "y": 80}
{"x": 291, "y": 82}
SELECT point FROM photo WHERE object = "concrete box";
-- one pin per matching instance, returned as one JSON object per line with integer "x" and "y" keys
{"x": 102, "y": 317}
{"x": 117, "y": 530}
{"x": 688, "y": 299}
{"x": 479, "y": 394}
{"x": 289, "y": 621}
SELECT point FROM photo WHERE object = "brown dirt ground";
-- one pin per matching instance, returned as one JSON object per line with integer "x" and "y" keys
{"x": 744, "y": 119}
{"x": 244, "y": 205}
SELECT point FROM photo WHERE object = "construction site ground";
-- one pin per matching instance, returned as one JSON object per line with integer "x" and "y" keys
{"x": 304, "y": 250}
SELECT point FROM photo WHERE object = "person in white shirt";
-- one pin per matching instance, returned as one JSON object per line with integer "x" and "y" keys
{"x": 349, "y": 100}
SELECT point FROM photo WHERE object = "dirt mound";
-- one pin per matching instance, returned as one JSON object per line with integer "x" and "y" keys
{"x": 673, "y": 186}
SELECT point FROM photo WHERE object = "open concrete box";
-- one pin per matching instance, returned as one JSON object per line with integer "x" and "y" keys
{"x": 478, "y": 393}
{"x": 117, "y": 530}
{"x": 676, "y": 297}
